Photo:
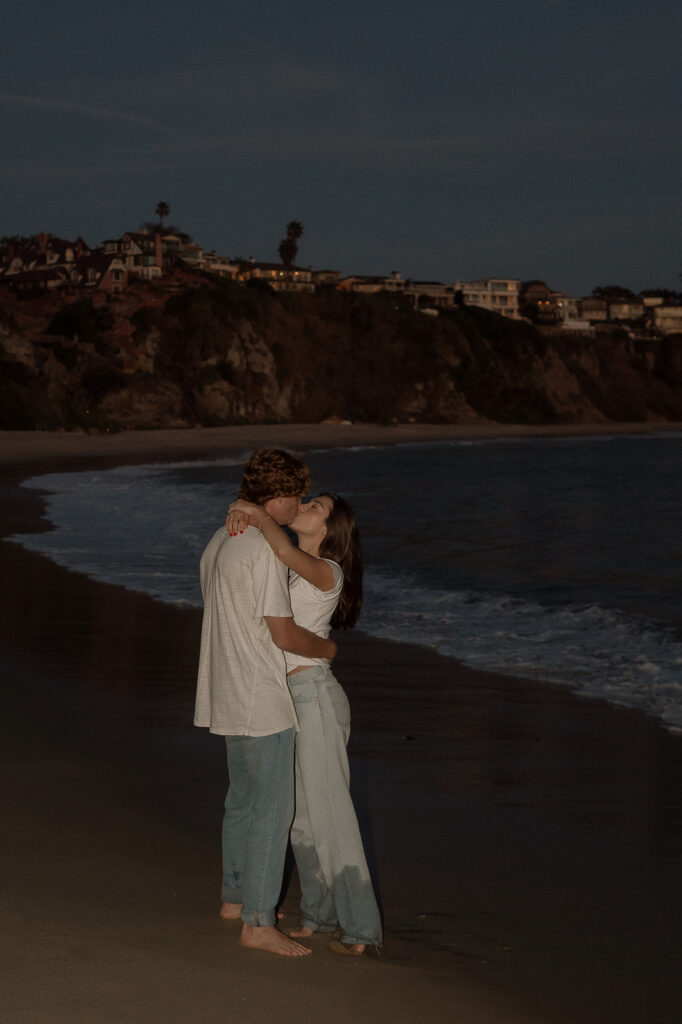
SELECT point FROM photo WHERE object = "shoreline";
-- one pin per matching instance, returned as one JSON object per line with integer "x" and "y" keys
{"x": 27, "y": 448}
{"x": 184, "y": 446}
{"x": 527, "y": 842}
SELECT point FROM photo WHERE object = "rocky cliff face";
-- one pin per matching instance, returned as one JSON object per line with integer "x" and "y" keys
{"x": 220, "y": 354}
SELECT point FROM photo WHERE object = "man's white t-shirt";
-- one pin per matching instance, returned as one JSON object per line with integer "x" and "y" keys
{"x": 313, "y": 608}
{"x": 241, "y": 684}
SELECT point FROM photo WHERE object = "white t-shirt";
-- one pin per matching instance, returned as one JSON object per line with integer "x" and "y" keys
{"x": 241, "y": 684}
{"x": 313, "y": 609}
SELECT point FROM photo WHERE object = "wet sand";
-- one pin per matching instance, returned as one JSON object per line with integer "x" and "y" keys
{"x": 25, "y": 447}
{"x": 527, "y": 844}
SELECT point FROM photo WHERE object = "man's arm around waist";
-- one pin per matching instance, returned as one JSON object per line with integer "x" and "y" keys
{"x": 289, "y": 637}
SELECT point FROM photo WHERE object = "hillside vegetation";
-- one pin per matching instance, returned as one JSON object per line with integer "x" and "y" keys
{"x": 215, "y": 354}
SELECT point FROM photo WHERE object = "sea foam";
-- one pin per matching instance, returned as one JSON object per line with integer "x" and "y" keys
{"x": 144, "y": 528}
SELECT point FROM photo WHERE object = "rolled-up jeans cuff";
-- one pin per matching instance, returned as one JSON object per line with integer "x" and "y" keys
{"x": 360, "y": 940}
{"x": 315, "y": 926}
{"x": 259, "y": 918}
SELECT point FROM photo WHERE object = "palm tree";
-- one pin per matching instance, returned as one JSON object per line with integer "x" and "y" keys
{"x": 162, "y": 210}
{"x": 287, "y": 251}
{"x": 288, "y": 247}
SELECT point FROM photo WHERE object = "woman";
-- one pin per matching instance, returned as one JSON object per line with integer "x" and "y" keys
{"x": 325, "y": 584}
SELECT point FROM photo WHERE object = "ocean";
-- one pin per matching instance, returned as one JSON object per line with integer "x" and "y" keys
{"x": 554, "y": 559}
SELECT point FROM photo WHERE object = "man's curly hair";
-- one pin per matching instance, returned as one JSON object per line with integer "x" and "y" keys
{"x": 273, "y": 473}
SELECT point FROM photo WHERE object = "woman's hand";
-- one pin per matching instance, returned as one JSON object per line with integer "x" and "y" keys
{"x": 242, "y": 514}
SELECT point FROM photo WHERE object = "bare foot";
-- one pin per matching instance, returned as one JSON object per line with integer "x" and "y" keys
{"x": 230, "y": 911}
{"x": 347, "y": 948}
{"x": 302, "y": 932}
{"x": 271, "y": 940}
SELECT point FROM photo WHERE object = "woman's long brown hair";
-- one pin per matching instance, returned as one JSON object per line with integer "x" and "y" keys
{"x": 341, "y": 544}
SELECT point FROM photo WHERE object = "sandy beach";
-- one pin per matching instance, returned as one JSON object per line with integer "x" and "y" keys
{"x": 526, "y": 843}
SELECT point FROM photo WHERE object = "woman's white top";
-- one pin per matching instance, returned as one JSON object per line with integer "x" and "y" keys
{"x": 313, "y": 609}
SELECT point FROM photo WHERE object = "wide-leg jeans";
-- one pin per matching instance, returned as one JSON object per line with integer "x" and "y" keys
{"x": 335, "y": 882}
{"x": 259, "y": 808}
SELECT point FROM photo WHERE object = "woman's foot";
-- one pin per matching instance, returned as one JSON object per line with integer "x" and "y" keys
{"x": 302, "y": 932}
{"x": 347, "y": 948}
{"x": 271, "y": 940}
{"x": 230, "y": 911}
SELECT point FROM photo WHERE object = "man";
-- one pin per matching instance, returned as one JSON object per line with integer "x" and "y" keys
{"x": 242, "y": 694}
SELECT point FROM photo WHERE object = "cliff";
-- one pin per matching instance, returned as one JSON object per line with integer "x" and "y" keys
{"x": 211, "y": 353}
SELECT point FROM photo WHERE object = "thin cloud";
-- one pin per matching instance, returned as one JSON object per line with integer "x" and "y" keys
{"x": 45, "y": 103}
{"x": 241, "y": 84}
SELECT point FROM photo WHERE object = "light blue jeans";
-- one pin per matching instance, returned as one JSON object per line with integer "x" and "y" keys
{"x": 259, "y": 808}
{"x": 336, "y": 886}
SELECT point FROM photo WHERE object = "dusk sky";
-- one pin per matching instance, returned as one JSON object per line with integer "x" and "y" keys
{"x": 444, "y": 140}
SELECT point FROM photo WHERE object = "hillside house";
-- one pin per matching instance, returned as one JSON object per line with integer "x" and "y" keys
{"x": 42, "y": 252}
{"x": 539, "y": 303}
{"x": 17, "y": 261}
{"x": 594, "y": 309}
{"x": 59, "y": 251}
{"x": 568, "y": 307}
{"x": 420, "y": 292}
{"x": 180, "y": 250}
{"x": 431, "y": 293}
{"x": 498, "y": 294}
{"x": 141, "y": 252}
{"x": 105, "y": 272}
{"x": 279, "y": 276}
{"x": 626, "y": 309}
{"x": 32, "y": 282}
{"x": 363, "y": 284}
{"x": 220, "y": 266}
{"x": 326, "y": 278}
{"x": 668, "y": 319}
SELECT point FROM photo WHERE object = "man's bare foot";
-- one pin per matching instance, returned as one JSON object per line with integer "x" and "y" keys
{"x": 230, "y": 911}
{"x": 271, "y": 940}
{"x": 302, "y": 932}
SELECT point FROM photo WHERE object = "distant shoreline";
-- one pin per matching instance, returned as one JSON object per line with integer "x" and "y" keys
{"x": 27, "y": 447}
